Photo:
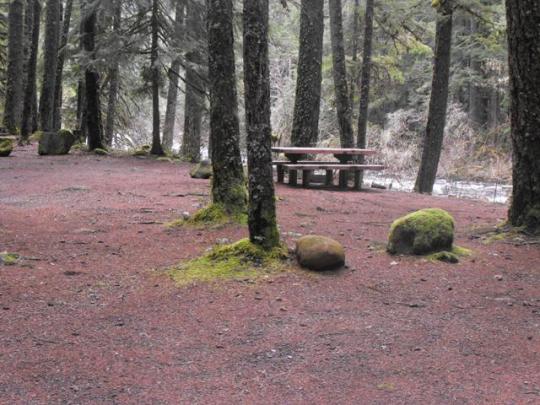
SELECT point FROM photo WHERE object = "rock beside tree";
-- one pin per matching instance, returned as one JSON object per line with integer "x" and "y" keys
{"x": 202, "y": 170}
{"x": 422, "y": 232}
{"x": 319, "y": 253}
{"x": 6, "y": 146}
{"x": 56, "y": 143}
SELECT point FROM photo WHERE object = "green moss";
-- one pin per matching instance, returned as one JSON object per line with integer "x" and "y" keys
{"x": 36, "y": 136}
{"x": 9, "y": 259}
{"x": 101, "y": 152}
{"x": 65, "y": 132}
{"x": 164, "y": 159}
{"x": 421, "y": 232}
{"x": 79, "y": 146}
{"x": 6, "y": 146}
{"x": 239, "y": 260}
{"x": 212, "y": 215}
{"x": 140, "y": 152}
{"x": 450, "y": 257}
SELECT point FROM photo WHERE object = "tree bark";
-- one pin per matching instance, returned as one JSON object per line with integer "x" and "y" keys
{"x": 262, "y": 207}
{"x": 228, "y": 187}
{"x": 57, "y": 114}
{"x": 157, "y": 149}
{"x": 354, "y": 56}
{"x": 114, "y": 79}
{"x": 92, "y": 89}
{"x": 195, "y": 86}
{"x": 172, "y": 94}
{"x": 365, "y": 79}
{"x": 523, "y": 20}
{"x": 34, "y": 8}
{"x": 46, "y": 103}
{"x": 14, "y": 80}
{"x": 305, "y": 131}
{"x": 343, "y": 106}
{"x": 438, "y": 102}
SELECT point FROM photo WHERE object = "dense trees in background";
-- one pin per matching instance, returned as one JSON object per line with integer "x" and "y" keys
{"x": 430, "y": 81}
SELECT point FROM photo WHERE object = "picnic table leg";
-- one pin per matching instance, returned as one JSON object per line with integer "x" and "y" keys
{"x": 280, "y": 173}
{"x": 329, "y": 181}
{"x": 343, "y": 178}
{"x": 292, "y": 177}
{"x": 306, "y": 177}
{"x": 358, "y": 180}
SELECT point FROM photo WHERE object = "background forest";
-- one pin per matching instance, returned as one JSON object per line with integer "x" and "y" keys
{"x": 476, "y": 143}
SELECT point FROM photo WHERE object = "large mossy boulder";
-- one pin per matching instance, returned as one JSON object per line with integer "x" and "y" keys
{"x": 6, "y": 146}
{"x": 319, "y": 253}
{"x": 422, "y": 232}
{"x": 202, "y": 170}
{"x": 56, "y": 143}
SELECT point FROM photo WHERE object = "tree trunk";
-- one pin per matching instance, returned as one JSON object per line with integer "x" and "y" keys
{"x": 114, "y": 79}
{"x": 57, "y": 114}
{"x": 81, "y": 86}
{"x": 172, "y": 95}
{"x": 305, "y": 131}
{"x": 365, "y": 82}
{"x": 34, "y": 8}
{"x": 354, "y": 56}
{"x": 262, "y": 206}
{"x": 157, "y": 149}
{"x": 228, "y": 188}
{"x": 195, "y": 87}
{"x": 523, "y": 18}
{"x": 46, "y": 103}
{"x": 340, "y": 75}
{"x": 438, "y": 102}
{"x": 93, "y": 105}
{"x": 14, "y": 80}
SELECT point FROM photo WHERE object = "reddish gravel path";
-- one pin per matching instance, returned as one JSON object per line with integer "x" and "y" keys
{"x": 86, "y": 318}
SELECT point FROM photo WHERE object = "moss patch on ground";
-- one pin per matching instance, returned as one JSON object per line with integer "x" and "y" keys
{"x": 213, "y": 215}
{"x": 452, "y": 256}
{"x": 237, "y": 261}
{"x": 9, "y": 259}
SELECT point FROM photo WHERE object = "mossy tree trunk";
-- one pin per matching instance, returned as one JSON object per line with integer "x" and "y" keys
{"x": 195, "y": 83}
{"x": 33, "y": 12}
{"x": 172, "y": 94}
{"x": 50, "y": 63}
{"x": 262, "y": 207}
{"x": 305, "y": 131}
{"x": 114, "y": 78}
{"x": 92, "y": 112}
{"x": 57, "y": 114}
{"x": 438, "y": 102}
{"x": 523, "y": 19}
{"x": 14, "y": 80}
{"x": 228, "y": 185}
{"x": 157, "y": 148}
{"x": 343, "y": 106}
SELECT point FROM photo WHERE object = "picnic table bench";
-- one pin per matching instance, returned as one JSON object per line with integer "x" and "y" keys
{"x": 298, "y": 159}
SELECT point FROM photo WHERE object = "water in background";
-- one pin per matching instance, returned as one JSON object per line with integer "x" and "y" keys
{"x": 492, "y": 192}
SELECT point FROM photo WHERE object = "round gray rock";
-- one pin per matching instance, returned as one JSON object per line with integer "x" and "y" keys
{"x": 319, "y": 253}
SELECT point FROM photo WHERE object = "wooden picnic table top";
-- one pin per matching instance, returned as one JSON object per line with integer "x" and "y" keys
{"x": 323, "y": 151}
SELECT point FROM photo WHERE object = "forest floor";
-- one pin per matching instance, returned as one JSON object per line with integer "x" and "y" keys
{"x": 89, "y": 314}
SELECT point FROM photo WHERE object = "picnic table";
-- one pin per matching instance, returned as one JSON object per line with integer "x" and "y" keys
{"x": 300, "y": 158}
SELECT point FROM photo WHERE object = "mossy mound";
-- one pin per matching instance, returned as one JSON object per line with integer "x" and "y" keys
{"x": 6, "y": 147}
{"x": 8, "y": 259}
{"x": 140, "y": 152}
{"x": 212, "y": 215}
{"x": 422, "y": 232}
{"x": 101, "y": 152}
{"x": 452, "y": 256}
{"x": 237, "y": 261}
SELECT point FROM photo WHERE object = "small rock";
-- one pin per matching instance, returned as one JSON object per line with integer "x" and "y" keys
{"x": 186, "y": 215}
{"x": 498, "y": 277}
